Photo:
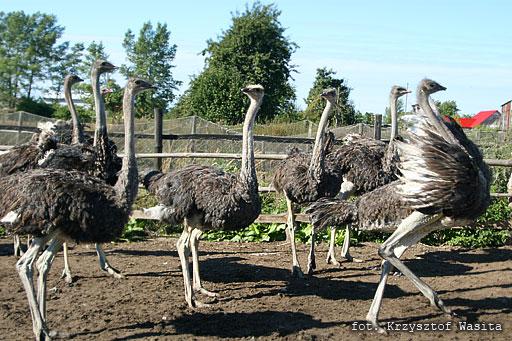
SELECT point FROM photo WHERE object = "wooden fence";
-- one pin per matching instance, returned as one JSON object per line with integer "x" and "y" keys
{"x": 158, "y": 137}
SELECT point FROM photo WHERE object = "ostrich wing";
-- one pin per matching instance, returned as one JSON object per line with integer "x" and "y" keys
{"x": 443, "y": 177}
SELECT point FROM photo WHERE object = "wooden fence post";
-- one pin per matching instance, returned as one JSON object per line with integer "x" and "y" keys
{"x": 360, "y": 129}
{"x": 158, "y": 136}
{"x": 310, "y": 129}
{"x": 377, "y": 127}
{"x": 18, "y": 135}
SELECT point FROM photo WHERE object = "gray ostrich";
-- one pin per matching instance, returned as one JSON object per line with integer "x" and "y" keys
{"x": 366, "y": 164}
{"x": 304, "y": 178}
{"x": 444, "y": 183}
{"x": 71, "y": 205}
{"x": 30, "y": 155}
{"x": 96, "y": 157}
{"x": 205, "y": 198}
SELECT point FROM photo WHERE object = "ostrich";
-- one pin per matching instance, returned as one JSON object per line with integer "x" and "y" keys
{"x": 366, "y": 164}
{"x": 444, "y": 183}
{"x": 71, "y": 205}
{"x": 206, "y": 198}
{"x": 99, "y": 159}
{"x": 30, "y": 155}
{"x": 304, "y": 178}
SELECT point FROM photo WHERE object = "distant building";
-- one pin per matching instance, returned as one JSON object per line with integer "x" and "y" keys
{"x": 488, "y": 118}
{"x": 61, "y": 101}
{"x": 505, "y": 115}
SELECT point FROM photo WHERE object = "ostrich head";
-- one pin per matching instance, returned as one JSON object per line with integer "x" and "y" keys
{"x": 428, "y": 86}
{"x": 72, "y": 79}
{"x": 398, "y": 91}
{"x": 329, "y": 95}
{"x": 137, "y": 85}
{"x": 102, "y": 66}
{"x": 254, "y": 92}
{"x": 146, "y": 177}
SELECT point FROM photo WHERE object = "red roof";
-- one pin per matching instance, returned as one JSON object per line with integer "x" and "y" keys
{"x": 471, "y": 122}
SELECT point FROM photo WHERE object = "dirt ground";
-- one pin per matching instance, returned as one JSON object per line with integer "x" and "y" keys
{"x": 258, "y": 298}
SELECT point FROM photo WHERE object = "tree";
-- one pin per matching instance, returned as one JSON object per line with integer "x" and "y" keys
{"x": 151, "y": 56}
{"x": 27, "y": 50}
{"x": 68, "y": 60}
{"x": 344, "y": 112}
{"x": 253, "y": 50}
{"x": 95, "y": 50}
{"x": 448, "y": 108}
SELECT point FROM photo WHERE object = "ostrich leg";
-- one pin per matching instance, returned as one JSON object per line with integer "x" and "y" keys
{"x": 196, "y": 278}
{"x": 311, "y": 257}
{"x": 331, "y": 254}
{"x": 345, "y": 248}
{"x": 183, "y": 247}
{"x": 104, "y": 264}
{"x": 25, "y": 271}
{"x": 17, "y": 246}
{"x": 347, "y": 189}
{"x": 296, "y": 270}
{"x": 408, "y": 233}
{"x": 43, "y": 264}
{"x": 66, "y": 272}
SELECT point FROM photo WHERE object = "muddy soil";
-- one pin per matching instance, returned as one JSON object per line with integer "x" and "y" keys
{"x": 258, "y": 298}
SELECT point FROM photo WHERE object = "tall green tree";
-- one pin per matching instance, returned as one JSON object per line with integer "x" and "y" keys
{"x": 95, "y": 50}
{"x": 151, "y": 55}
{"x": 448, "y": 108}
{"x": 253, "y": 49}
{"x": 344, "y": 112}
{"x": 68, "y": 60}
{"x": 27, "y": 50}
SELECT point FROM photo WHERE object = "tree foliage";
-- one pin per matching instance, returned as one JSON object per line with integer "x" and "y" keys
{"x": 448, "y": 108}
{"x": 253, "y": 50}
{"x": 151, "y": 55}
{"x": 27, "y": 50}
{"x": 344, "y": 112}
{"x": 67, "y": 61}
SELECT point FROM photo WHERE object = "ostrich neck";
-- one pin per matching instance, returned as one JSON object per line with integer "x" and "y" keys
{"x": 99, "y": 105}
{"x": 78, "y": 132}
{"x": 248, "y": 170}
{"x": 435, "y": 120}
{"x": 317, "y": 158}
{"x": 126, "y": 185}
{"x": 394, "y": 116}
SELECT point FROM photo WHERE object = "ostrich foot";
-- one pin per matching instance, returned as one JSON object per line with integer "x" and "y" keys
{"x": 199, "y": 304}
{"x": 66, "y": 274}
{"x": 112, "y": 271}
{"x": 42, "y": 333}
{"x": 332, "y": 260}
{"x": 203, "y": 291}
{"x": 376, "y": 326}
{"x": 351, "y": 259}
{"x": 397, "y": 273}
{"x": 297, "y": 272}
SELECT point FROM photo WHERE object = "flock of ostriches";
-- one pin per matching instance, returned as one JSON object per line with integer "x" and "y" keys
{"x": 67, "y": 186}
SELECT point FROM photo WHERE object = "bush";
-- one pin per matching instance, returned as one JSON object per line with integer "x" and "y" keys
{"x": 38, "y": 107}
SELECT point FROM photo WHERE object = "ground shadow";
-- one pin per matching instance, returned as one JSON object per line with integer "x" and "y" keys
{"x": 255, "y": 324}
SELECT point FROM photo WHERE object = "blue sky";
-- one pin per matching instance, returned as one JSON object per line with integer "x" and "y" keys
{"x": 464, "y": 45}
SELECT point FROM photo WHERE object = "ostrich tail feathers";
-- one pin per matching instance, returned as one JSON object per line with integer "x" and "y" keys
{"x": 331, "y": 212}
